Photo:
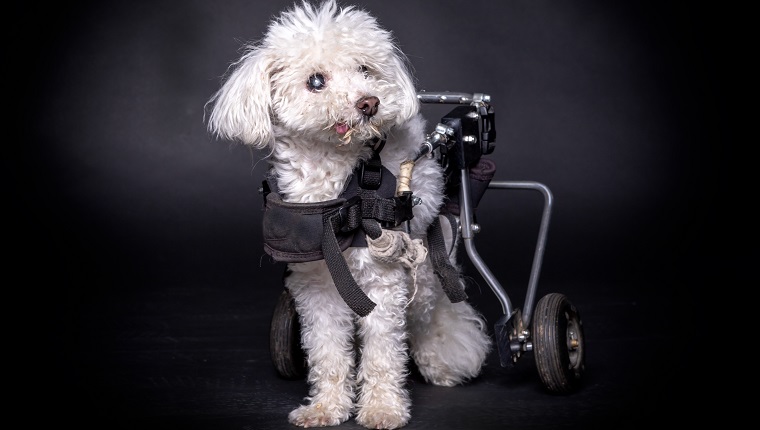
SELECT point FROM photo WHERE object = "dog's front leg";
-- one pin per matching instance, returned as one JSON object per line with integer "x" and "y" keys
{"x": 327, "y": 336}
{"x": 383, "y": 399}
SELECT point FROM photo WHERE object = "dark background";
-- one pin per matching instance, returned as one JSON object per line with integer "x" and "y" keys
{"x": 130, "y": 222}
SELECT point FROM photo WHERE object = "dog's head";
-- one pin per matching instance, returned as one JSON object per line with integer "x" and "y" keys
{"x": 321, "y": 73}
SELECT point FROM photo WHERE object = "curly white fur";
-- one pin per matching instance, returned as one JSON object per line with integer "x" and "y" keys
{"x": 295, "y": 94}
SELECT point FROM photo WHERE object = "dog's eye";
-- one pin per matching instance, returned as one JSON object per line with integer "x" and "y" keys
{"x": 364, "y": 70}
{"x": 316, "y": 82}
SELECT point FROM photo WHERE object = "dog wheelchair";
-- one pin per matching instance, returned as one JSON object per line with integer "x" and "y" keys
{"x": 552, "y": 329}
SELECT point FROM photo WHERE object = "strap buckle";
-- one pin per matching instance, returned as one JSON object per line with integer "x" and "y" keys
{"x": 349, "y": 215}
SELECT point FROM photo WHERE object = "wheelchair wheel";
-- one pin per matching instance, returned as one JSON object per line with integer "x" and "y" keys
{"x": 285, "y": 339}
{"x": 558, "y": 343}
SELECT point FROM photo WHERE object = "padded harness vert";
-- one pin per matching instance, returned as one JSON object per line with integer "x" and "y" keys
{"x": 300, "y": 232}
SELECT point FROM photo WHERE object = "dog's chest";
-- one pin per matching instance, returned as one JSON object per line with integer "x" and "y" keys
{"x": 315, "y": 178}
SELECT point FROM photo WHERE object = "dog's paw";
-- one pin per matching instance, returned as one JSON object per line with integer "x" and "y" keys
{"x": 383, "y": 417}
{"x": 317, "y": 415}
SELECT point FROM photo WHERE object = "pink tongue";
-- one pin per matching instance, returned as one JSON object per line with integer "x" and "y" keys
{"x": 341, "y": 128}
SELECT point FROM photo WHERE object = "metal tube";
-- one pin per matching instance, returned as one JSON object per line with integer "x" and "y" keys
{"x": 448, "y": 97}
{"x": 466, "y": 217}
{"x": 541, "y": 242}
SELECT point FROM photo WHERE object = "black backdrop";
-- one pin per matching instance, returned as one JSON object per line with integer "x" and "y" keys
{"x": 615, "y": 107}
{"x": 620, "y": 108}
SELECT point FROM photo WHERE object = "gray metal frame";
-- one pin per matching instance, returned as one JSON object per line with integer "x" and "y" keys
{"x": 468, "y": 228}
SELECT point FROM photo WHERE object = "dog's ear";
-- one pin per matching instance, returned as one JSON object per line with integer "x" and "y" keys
{"x": 403, "y": 78}
{"x": 241, "y": 109}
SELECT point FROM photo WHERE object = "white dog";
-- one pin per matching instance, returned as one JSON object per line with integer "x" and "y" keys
{"x": 322, "y": 88}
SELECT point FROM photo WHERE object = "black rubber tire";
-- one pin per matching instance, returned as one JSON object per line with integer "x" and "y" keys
{"x": 285, "y": 339}
{"x": 558, "y": 344}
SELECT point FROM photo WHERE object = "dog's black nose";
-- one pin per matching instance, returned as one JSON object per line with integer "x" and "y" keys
{"x": 368, "y": 105}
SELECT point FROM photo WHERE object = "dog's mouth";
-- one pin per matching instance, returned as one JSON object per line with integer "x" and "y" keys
{"x": 341, "y": 128}
{"x": 345, "y": 132}
{"x": 348, "y": 132}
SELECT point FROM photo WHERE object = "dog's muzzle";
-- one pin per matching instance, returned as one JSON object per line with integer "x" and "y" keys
{"x": 368, "y": 107}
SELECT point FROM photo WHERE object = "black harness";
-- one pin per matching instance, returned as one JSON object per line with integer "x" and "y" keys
{"x": 300, "y": 232}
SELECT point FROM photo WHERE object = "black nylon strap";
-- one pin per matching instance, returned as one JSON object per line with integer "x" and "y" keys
{"x": 452, "y": 223}
{"x": 371, "y": 174}
{"x": 347, "y": 287}
{"x": 378, "y": 208}
{"x": 372, "y": 228}
{"x": 447, "y": 274}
